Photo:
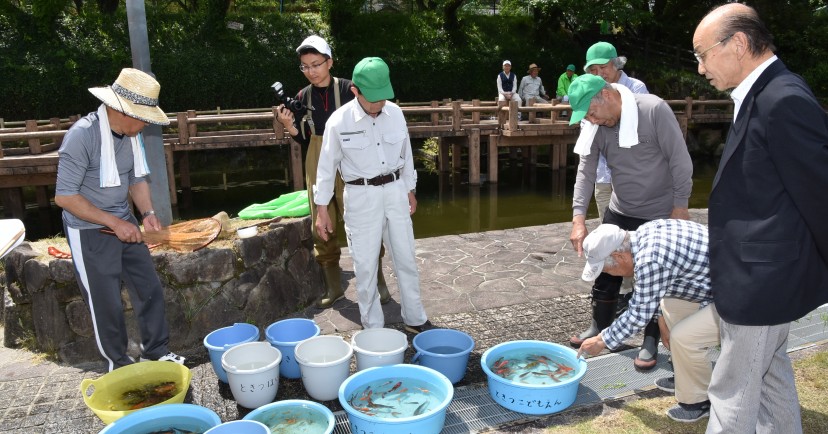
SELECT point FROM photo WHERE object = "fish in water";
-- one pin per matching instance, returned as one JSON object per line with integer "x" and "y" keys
{"x": 421, "y": 409}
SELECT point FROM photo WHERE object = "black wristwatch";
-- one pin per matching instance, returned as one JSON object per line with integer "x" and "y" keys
{"x": 147, "y": 214}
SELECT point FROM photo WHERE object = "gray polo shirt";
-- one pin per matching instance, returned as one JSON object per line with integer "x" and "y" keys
{"x": 79, "y": 169}
{"x": 648, "y": 179}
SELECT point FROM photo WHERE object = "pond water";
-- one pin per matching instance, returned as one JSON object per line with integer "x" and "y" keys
{"x": 526, "y": 195}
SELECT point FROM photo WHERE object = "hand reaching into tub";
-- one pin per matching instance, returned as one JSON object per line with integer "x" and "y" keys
{"x": 592, "y": 346}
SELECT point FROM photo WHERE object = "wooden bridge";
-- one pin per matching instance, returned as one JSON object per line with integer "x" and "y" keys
{"x": 458, "y": 125}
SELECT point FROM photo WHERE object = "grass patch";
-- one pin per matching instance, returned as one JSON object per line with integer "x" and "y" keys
{"x": 647, "y": 415}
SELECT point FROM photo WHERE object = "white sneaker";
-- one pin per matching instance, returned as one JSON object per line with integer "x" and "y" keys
{"x": 169, "y": 357}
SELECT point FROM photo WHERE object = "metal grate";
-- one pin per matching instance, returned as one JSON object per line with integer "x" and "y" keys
{"x": 607, "y": 377}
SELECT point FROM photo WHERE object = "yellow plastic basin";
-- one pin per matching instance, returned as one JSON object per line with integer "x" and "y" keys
{"x": 103, "y": 395}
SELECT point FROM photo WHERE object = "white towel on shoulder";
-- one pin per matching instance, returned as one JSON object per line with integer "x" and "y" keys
{"x": 109, "y": 168}
{"x": 627, "y": 131}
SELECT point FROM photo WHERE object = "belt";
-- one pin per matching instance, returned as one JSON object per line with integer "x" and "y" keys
{"x": 377, "y": 180}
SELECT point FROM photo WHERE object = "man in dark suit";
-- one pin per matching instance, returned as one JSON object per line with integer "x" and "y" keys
{"x": 768, "y": 237}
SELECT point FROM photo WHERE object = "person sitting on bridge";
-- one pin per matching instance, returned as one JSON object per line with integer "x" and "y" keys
{"x": 564, "y": 81}
{"x": 101, "y": 166}
{"x": 323, "y": 95}
{"x": 507, "y": 85}
{"x": 670, "y": 262}
{"x": 531, "y": 86}
{"x": 651, "y": 178}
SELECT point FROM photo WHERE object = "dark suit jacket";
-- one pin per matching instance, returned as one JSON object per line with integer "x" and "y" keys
{"x": 768, "y": 209}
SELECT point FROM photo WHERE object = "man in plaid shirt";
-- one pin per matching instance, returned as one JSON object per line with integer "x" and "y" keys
{"x": 670, "y": 263}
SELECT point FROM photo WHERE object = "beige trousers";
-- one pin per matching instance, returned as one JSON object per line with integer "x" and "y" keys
{"x": 692, "y": 332}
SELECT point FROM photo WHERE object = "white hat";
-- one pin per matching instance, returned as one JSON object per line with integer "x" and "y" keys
{"x": 506, "y": 62}
{"x": 317, "y": 44}
{"x": 135, "y": 94}
{"x": 599, "y": 245}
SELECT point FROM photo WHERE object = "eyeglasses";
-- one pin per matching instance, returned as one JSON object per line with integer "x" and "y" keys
{"x": 307, "y": 68}
{"x": 700, "y": 56}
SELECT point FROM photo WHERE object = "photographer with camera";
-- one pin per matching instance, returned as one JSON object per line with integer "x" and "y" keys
{"x": 304, "y": 118}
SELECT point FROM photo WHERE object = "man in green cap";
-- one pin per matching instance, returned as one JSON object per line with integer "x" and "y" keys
{"x": 367, "y": 141}
{"x": 564, "y": 81}
{"x": 651, "y": 178}
{"x": 602, "y": 59}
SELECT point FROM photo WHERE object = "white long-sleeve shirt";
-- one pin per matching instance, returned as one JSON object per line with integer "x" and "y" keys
{"x": 363, "y": 147}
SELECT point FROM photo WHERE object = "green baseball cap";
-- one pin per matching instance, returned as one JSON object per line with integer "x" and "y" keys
{"x": 371, "y": 76}
{"x": 570, "y": 67}
{"x": 581, "y": 92}
{"x": 600, "y": 53}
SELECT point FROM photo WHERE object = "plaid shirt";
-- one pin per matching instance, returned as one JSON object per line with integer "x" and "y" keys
{"x": 671, "y": 260}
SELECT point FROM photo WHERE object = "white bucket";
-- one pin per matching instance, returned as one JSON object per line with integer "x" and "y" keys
{"x": 325, "y": 362}
{"x": 379, "y": 347}
{"x": 253, "y": 373}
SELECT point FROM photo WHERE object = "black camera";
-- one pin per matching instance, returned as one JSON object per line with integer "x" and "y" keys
{"x": 294, "y": 105}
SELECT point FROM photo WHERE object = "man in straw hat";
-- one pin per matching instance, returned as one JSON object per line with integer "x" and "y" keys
{"x": 101, "y": 166}
{"x": 669, "y": 260}
{"x": 324, "y": 95}
{"x": 531, "y": 86}
{"x": 651, "y": 178}
{"x": 367, "y": 140}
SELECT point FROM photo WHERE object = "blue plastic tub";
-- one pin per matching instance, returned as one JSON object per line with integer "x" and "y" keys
{"x": 285, "y": 335}
{"x": 429, "y": 422}
{"x": 444, "y": 350}
{"x": 296, "y": 416}
{"x": 240, "y": 427}
{"x": 221, "y": 340}
{"x": 184, "y": 417}
{"x": 534, "y": 398}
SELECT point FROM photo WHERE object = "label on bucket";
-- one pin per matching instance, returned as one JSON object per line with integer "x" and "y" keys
{"x": 510, "y": 400}
{"x": 258, "y": 385}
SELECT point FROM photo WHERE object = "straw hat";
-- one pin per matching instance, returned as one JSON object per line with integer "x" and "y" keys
{"x": 135, "y": 94}
{"x": 533, "y": 66}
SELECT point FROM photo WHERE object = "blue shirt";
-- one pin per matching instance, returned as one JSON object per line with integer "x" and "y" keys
{"x": 671, "y": 259}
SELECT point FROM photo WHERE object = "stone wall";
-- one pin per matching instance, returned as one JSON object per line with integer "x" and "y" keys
{"x": 255, "y": 280}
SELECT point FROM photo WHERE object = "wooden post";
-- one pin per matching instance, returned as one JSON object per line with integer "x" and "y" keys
{"x": 513, "y": 115}
{"x": 184, "y": 157}
{"x": 443, "y": 155}
{"x": 474, "y": 157}
{"x": 34, "y": 144}
{"x": 493, "y": 139}
{"x": 278, "y": 128}
{"x": 688, "y": 107}
{"x": 296, "y": 166}
{"x": 553, "y": 115}
{"x": 435, "y": 117}
{"x": 447, "y": 103}
{"x": 501, "y": 116}
{"x": 170, "y": 157}
{"x": 701, "y": 106}
{"x": 456, "y": 115}
{"x": 562, "y": 154}
{"x": 532, "y": 114}
{"x": 456, "y": 156}
{"x": 192, "y": 128}
{"x": 56, "y": 123}
{"x": 554, "y": 156}
{"x": 475, "y": 114}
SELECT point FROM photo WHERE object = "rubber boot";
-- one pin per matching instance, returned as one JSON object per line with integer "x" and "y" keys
{"x": 603, "y": 313}
{"x": 382, "y": 287}
{"x": 333, "y": 285}
{"x": 646, "y": 358}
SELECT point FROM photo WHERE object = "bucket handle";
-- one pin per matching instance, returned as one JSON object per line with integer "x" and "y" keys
{"x": 84, "y": 386}
{"x": 415, "y": 357}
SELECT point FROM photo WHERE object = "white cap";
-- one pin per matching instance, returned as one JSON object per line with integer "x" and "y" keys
{"x": 506, "y": 62}
{"x": 317, "y": 44}
{"x": 599, "y": 245}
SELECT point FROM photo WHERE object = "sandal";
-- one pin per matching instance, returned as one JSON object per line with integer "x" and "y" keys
{"x": 58, "y": 254}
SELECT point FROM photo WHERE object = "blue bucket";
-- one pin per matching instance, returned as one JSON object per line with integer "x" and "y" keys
{"x": 240, "y": 427}
{"x": 429, "y": 422}
{"x": 184, "y": 417}
{"x": 282, "y": 416}
{"x": 285, "y": 335}
{"x": 444, "y": 350}
{"x": 534, "y": 398}
{"x": 221, "y": 340}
